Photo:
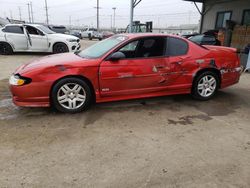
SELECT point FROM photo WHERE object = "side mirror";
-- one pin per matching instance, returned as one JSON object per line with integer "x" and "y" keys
{"x": 116, "y": 56}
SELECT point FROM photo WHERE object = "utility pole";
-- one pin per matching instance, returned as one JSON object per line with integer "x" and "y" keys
{"x": 29, "y": 12}
{"x": 114, "y": 8}
{"x": 133, "y": 4}
{"x": 47, "y": 15}
{"x": 11, "y": 14}
{"x": 20, "y": 13}
{"x": 97, "y": 14}
{"x": 97, "y": 7}
{"x": 111, "y": 22}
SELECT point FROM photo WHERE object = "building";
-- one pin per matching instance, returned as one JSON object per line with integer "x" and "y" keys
{"x": 181, "y": 29}
{"x": 230, "y": 17}
{"x": 215, "y": 13}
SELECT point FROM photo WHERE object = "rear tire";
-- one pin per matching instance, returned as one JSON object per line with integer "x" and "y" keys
{"x": 71, "y": 95}
{"x": 89, "y": 36}
{"x": 60, "y": 48}
{"x": 5, "y": 49}
{"x": 205, "y": 86}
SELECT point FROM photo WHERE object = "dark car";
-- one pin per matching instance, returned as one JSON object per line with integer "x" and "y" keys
{"x": 189, "y": 35}
{"x": 107, "y": 34}
{"x": 204, "y": 39}
{"x": 76, "y": 34}
{"x": 58, "y": 29}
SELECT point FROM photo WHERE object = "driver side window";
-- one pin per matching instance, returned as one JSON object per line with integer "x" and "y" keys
{"x": 129, "y": 50}
{"x": 144, "y": 48}
{"x": 33, "y": 31}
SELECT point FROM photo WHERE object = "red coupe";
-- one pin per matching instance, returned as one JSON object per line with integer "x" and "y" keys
{"x": 126, "y": 66}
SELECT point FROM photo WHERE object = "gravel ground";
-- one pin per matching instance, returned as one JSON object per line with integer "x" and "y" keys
{"x": 170, "y": 141}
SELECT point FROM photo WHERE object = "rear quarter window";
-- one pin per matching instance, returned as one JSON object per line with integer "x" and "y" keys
{"x": 13, "y": 29}
{"x": 176, "y": 47}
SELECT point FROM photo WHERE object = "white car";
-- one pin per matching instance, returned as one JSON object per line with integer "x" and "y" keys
{"x": 91, "y": 33}
{"x": 35, "y": 38}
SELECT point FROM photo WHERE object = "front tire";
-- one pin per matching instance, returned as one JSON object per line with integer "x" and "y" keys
{"x": 60, "y": 48}
{"x": 71, "y": 95}
{"x": 5, "y": 49}
{"x": 205, "y": 86}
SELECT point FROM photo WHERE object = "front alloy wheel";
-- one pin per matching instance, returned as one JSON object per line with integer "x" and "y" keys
{"x": 71, "y": 95}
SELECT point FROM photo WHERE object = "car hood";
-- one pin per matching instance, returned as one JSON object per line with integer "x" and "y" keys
{"x": 62, "y": 36}
{"x": 65, "y": 59}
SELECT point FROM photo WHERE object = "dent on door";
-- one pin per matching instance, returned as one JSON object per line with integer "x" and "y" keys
{"x": 133, "y": 76}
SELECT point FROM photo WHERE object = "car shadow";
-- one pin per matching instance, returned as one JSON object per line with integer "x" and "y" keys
{"x": 224, "y": 103}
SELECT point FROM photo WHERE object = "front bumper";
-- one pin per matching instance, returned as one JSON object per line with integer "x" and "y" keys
{"x": 31, "y": 95}
{"x": 74, "y": 46}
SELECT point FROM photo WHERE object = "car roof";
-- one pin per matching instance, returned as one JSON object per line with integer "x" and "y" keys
{"x": 22, "y": 25}
{"x": 139, "y": 35}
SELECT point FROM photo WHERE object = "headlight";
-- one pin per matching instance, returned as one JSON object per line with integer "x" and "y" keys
{"x": 18, "y": 80}
{"x": 72, "y": 40}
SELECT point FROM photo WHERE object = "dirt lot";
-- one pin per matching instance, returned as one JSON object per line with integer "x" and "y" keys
{"x": 169, "y": 141}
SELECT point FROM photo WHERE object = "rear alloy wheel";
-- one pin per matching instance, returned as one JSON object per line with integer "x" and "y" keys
{"x": 205, "y": 86}
{"x": 60, "y": 48}
{"x": 5, "y": 49}
{"x": 71, "y": 95}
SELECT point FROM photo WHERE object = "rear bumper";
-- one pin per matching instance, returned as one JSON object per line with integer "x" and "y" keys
{"x": 231, "y": 77}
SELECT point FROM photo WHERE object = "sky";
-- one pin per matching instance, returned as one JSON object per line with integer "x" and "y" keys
{"x": 163, "y": 13}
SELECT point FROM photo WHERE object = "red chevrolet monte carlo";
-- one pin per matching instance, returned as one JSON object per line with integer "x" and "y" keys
{"x": 123, "y": 67}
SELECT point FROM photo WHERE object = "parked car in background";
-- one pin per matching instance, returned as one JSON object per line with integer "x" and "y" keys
{"x": 58, "y": 29}
{"x": 189, "y": 35}
{"x": 204, "y": 39}
{"x": 91, "y": 33}
{"x": 122, "y": 67}
{"x": 35, "y": 38}
{"x": 76, "y": 33}
{"x": 107, "y": 34}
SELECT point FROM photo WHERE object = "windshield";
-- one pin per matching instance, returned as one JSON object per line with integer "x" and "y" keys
{"x": 45, "y": 29}
{"x": 99, "y": 49}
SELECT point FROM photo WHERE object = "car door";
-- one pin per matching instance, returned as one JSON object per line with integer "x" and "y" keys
{"x": 14, "y": 34}
{"x": 141, "y": 71}
{"x": 38, "y": 40}
{"x": 178, "y": 60}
